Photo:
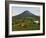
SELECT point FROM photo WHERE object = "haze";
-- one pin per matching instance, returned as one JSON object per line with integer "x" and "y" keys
{"x": 19, "y": 10}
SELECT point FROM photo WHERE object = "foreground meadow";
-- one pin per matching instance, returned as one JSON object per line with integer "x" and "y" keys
{"x": 25, "y": 23}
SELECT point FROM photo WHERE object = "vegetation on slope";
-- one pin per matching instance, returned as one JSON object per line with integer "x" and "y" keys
{"x": 25, "y": 23}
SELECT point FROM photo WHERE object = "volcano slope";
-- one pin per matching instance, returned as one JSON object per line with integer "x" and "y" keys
{"x": 25, "y": 21}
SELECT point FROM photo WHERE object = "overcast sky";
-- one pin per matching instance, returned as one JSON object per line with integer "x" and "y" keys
{"x": 19, "y": 10}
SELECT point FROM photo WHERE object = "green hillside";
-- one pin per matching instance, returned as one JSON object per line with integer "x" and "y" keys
{"x": 25, "y": 23}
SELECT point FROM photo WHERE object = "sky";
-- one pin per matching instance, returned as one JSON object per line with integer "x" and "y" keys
{"x": 19, "y": 10}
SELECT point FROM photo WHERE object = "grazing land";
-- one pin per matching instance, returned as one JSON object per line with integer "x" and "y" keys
{"x": 25, "y": 23}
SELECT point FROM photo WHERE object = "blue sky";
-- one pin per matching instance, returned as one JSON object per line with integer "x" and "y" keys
{"x": 19, "y": 10}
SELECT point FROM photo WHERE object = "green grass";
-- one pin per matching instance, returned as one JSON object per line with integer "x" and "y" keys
{"x": 25, "y": 23}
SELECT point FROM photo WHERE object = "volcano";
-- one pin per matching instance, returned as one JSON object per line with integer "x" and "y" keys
{"x": 25, "y": 14}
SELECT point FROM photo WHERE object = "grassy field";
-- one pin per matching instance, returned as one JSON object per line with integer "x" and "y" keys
{"x": 25, "y": 23}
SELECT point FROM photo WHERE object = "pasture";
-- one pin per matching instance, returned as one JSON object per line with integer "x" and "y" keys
{"x": 25, "y": 23}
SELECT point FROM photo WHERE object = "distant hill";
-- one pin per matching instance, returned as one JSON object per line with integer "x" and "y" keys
{"x": 25, "y": 14}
